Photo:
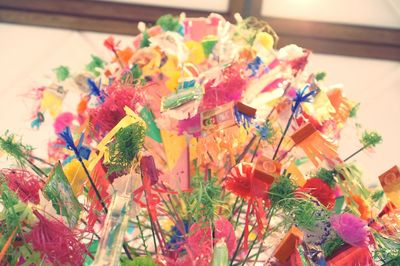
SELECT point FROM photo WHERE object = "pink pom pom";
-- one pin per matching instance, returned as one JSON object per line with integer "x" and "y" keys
{"x": 62, "y": 121}
{"x": 224, "y": 229}
{"x": 24, "y": 183}
{"x": 56, "y": 242}
{"x": 351, "y": 229}
{"x": 111, "y": 111}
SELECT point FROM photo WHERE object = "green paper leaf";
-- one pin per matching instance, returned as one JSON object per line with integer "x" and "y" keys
{"x": 339, "y": 204}
{"x": 59, "y": 191}
{"x": 152, "y": 130}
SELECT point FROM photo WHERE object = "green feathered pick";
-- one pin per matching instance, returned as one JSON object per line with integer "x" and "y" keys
{"x": 168, "y": 23}
{"x": 127, "y": 143}
{"x": 95, "y": 64}
{"x": 14, "y": 148}
{"x": 320, "y": 76}
{"x": 370, "y": 139}
{"x": 62, "y": 73}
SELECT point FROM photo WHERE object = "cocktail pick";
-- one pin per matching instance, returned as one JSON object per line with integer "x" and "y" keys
{"x": 368, "y": 139}
{"x": 301, "y": 97}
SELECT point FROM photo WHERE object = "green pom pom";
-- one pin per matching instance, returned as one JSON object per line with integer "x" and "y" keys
{"x": 370, "y": 139}
{"x": 328, "y": 176}
{"x": 139, "y": 261}
{"x": 14, "y": 148}
{"x": 62, "y": 73}
{"x": 168, "y": 23}
{"x": 127, "y": 143}
{"x": 145, "y": 42}
{"x": 282, "y": 190}
{"x": 94, "y": 65}
{"x": 320, "y": 76}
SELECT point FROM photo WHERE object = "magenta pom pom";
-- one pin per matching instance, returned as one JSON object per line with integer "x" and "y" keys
{"x": 106, "y": 116}
{"x": 351, "y": 229}
{"x": 62, "y": 121}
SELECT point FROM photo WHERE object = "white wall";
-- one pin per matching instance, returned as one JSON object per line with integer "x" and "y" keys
{"x": 28, "y": 54}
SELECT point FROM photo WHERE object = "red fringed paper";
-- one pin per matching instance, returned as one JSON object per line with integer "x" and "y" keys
{"x": 24, "y": 183}
{"x": 56, "y": 242}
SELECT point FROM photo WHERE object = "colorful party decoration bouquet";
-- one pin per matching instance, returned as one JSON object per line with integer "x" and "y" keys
{"x": 198, "y": 144}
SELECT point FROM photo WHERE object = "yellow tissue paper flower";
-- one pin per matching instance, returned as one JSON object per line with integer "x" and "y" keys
{"x": 264, "y": 39}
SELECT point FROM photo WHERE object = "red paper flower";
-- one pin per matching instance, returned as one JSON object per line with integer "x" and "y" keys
{"x": 239, "y": 180}
{"x": 317, "y": 188}
{"x": 110, "y": 44}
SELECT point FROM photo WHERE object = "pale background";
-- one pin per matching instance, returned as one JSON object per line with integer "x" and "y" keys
{"x": 28, "y": 55}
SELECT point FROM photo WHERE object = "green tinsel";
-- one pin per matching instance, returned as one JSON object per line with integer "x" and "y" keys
{"x": 331, "y": 244}
{"x": 145, "y": 42}
{"x": 205, "y": 198}
{"x": 370, "y": 139}
{"x": 62, "y": 73}
{"x": 282, "y": 190}
{"x": 14, "y": 148}
{"x": 168, "y": 23}
{"x": 127, "y": 143}
{"x": 139, "y": 261}
{"x": 328, "y": 176}
{"x": 93, "y": 65}
{"x": 305, "y": 213}
{"x": 320, "y": 76}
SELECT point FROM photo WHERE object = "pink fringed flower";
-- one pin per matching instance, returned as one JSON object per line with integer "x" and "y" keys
{"x": 56, "y": 242}
{"x": 351, "y": 229}
{"x": 24, "y": 183}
